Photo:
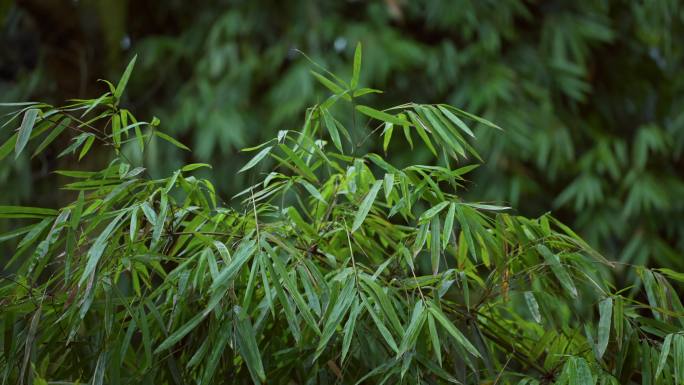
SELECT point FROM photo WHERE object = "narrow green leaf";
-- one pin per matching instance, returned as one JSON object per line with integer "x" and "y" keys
{"x": 332, "y": 129}
{"x": 434, "y": 336}
{"x": 244, "y": 251}
{"x": 364, "y": 91}
{"x": 431, "y": 212}
{"x": 379, "y": 115}
{"x": 256, "y": 159}
{"x": 456, "y": 121}
{"x": 422, "y": 130}
{"x": 389, "y": 185}
{"x": 344, "y": 301}
{"x": 435, "y": 244}
{"x": 387, "y": 136}
{"x": 312, "y": 190}
{"x": 8, "y": 146}
{"x": 451, "y": 329}
{"x": 180, "y": 332}
{"x": 171, "y": 140}
{"x": 98, "y": 247}
{"x": 558, "y": 270}
{"x": 26, "y": 212}
{"x": 365, "y": 206}
{"x": 448, "y": 225}
{"x": 357, "y": 66}
{"x": 194, "y": 166}
{"x": 349, "y": 328}
{"x": 25, "y": 130}
{"x": 664, "y": 353}
{"x": 384, "y": 332}
{"x": 52, "y": 136}
{"x": 605, "y": 316}
{"x": 337, "y": 90}
{"x": 418, "y": 317}
{"x": 86, "y": 147}
{"x": 121, "y": 86}
{"x": 249, "y": 350}
{"x": 533, "y": 306}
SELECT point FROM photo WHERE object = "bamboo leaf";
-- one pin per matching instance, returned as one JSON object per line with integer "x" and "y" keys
{"x": 56, "y": 131}
{"x": 558, "y": 270}
{"x": 418, "y": 317}
{"x": 435, "y": 244}
{"x": 86, "y": 147}
{"x": 256, "y": 159}
{"x": 365, "y": 206}
{"x": 664, "y": 353}
{"x": 25, "y": 130}
{"x": 533, "y": 306}
{"x": 431, "y": 212}
{"x": 448, "y": 225}
{"x": 171, "y": 140}
{"x": 332, "y": 129}
{"x": 605, "y": 316}
{"x": 121, "y": 86}
{"x": 379, "y": 115}
{"x": 98, "y": 248}
{"x": 456, "y": 120}
{"x": 180, "y": 333}
{"x": 249, "y": 349}
{"x": 451, "y": 329}
{"x": 356, "y": 73}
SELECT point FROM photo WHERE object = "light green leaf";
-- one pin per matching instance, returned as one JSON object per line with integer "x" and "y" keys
{"x": 52, "y": 136}
{"x": 195, "y": 166}
{"x": 434, "y": 336}
{"x": 664, "y": 353}
{"x": 332, "y": 129}
{"x": 365, "y": 206}
{"x": 86, "y": 147}
{"x": 605, "y": 316}
{"x": 558, "y": 270}
{"x": 451, "y": 329}
{"x": 312, "y": 190}
{"x": 98, "y": 247}
{"x": 357, "y": 66}
{"x": 456, "y": 121}
{"x": 384, "y": 331}
{"x": 337, "y": 90}
{"x": 171, "y": 140}
{"x": 349, "y": 327}
{"x": 448, "y": 225}
{"x": 256, "y": 159}
{"x": 25, "y": 130}
{"x": 180, "y": 332}
{"x": 124, "y": 78}
{"x": 533, "y": 306}
{"x": 389, "y": 185}
{"x": 418, "y": 317}
{"x": 247, "y": 343}
{"x": 379, "y": 115}
{"x": 435, "y": 244}
{"x": 26, "y": 212}
{"x": 431, "y": 212}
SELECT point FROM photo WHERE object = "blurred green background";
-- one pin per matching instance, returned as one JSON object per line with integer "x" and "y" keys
{"x": 590, "y": 92}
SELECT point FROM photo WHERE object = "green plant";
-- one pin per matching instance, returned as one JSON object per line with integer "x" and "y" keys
{"x": 336, "y": 268}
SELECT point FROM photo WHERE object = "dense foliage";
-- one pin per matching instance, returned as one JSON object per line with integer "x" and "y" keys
{"x": 338, "y": 267}
{"x": 590, "y": 91}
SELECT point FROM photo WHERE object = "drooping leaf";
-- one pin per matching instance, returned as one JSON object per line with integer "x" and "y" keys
{"x": 25, "y": 130}
{"x": 366, "y": 205}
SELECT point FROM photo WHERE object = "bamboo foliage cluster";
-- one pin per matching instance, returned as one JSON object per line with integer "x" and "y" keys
{"x": 336, "y": 267}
